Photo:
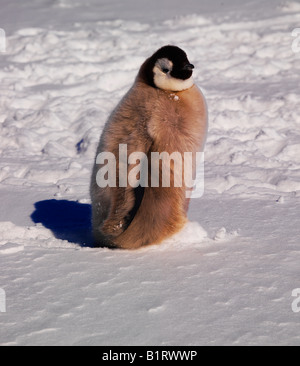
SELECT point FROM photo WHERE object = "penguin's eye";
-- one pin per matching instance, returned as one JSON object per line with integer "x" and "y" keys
{"x": 165, "y": 70}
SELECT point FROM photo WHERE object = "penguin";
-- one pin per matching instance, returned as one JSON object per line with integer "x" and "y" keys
{"x": 164, "y": 111}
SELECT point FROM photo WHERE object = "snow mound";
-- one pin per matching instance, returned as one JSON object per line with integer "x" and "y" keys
{"x": 192, "y": 234}
{"x": 31, "y": 236}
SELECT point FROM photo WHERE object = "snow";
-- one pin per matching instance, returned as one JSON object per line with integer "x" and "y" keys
{"x": 228, "y": 277}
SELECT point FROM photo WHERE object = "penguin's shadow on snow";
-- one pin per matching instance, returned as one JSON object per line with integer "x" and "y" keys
{"x": 68, "y": 220}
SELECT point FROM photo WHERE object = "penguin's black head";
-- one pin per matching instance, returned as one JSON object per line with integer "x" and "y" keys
{"x": 169, "y": 69}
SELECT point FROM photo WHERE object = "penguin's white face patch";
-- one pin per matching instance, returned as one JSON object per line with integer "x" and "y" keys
{"x": 164, "y": 80}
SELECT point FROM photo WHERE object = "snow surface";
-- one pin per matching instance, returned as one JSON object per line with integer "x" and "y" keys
{"x": 228, "y": 277}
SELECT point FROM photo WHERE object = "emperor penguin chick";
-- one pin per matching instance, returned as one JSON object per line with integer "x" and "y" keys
{"x": 163, "y": 113}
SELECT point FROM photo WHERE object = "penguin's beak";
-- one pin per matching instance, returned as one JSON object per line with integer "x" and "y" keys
{"x": 188, "y": 67}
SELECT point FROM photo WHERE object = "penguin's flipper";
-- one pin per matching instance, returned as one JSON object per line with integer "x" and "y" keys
{"x": 124, "y": 202}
